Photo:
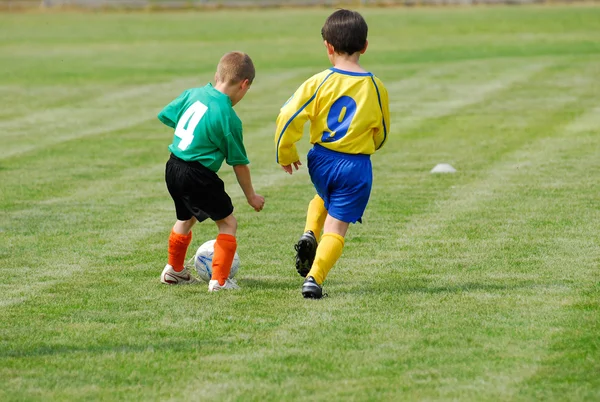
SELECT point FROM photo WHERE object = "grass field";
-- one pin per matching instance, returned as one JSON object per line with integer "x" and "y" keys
{"x": 478, "y": 286}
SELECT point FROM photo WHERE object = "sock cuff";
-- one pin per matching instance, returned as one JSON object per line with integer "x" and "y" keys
{"x": 181, "y": 237}
{"x": 226, "y": 237}
{"x": 318, "y": 198}
{"x": 334, "y": 236}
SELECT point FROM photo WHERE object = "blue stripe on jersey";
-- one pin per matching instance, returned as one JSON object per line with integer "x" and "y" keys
{"x": 297, "y": 113}
{"x": 382, "y": 119}
{"x": 337, "y": 70}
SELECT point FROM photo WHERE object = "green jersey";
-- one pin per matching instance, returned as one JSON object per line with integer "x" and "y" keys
{"x": 207, "y": 129}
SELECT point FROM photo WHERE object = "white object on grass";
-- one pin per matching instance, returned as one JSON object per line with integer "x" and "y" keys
{"x": 443, "y": 168}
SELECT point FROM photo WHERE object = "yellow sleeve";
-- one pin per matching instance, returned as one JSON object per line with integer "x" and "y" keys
{"x": 382, "y": 135}
{"x": 290, "y": 122}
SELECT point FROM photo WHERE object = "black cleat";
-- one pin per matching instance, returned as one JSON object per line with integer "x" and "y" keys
{"x": 306, "y": 248}
{"x": 311, "y": 289}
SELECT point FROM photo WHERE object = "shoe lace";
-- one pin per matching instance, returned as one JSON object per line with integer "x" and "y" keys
{"x": 190, "y": 263}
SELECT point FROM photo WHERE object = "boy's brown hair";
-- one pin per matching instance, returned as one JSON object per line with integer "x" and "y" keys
{"x": 235, "y": 67}
{"x": 346, "y": 31}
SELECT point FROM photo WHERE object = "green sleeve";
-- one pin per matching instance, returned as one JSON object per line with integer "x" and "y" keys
{"x": 232, "y": 144}
{"x": 170, "y": 114}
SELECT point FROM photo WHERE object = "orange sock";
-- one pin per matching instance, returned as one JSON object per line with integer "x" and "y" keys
{"x": 225, "y": 247}
{"x": 178, "y": 245}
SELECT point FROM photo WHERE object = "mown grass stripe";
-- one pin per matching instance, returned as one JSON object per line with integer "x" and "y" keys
{"x": 112, "y": 111}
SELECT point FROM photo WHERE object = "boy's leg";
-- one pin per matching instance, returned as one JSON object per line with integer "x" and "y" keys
{"x": 345, "y": 198}
{"x": 315, "y": 217}
{"x": 328, "y": 252}
{"x": 225, "y": 248}
{"x": 306, "y": 246}
{"x": 330, "y": 248}
{"x": 179, "y": 241}
{"x": 174, "y": 272}
{"x": 177, "y": 174}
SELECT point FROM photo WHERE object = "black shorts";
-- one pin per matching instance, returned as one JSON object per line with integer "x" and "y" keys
{"x": 197, "y": 191}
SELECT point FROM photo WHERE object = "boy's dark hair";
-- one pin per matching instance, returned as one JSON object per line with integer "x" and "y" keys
{"x": 346, "y": 31}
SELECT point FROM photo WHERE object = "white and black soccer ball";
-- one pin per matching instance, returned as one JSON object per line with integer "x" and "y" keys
{"x": 204, "y": 259}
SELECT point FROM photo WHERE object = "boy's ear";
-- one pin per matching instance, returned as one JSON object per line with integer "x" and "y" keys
{"x": 329, "y": 46}
{"x": 245, "y": 84}
{"x": 364, "y": 49}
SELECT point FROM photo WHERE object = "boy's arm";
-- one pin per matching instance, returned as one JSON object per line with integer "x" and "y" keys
{"x": 232, "y": 146}
{"x": 382, "y": 135}
{"x": 290, "y": 123}
{"x": 170, "y": 114}
{"x": 232, "y": 142}
{"x": 242, "y": 173}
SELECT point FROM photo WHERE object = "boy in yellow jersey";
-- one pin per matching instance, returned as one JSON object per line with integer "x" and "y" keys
{"x": 207, "y": 133}
{"x": 349, "y": 113}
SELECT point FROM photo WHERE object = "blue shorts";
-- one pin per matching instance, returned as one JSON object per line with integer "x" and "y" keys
{"x": 343, "y": 181}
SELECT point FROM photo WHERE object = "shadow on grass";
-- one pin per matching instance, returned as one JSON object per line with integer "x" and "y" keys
{"x": 58, "y": 350}
{"x": 467, "y": 287}
{"x": 420, "y": 286}
{"x": 269, "y": 283}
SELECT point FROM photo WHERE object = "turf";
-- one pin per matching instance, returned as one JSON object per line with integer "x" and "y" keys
{"x": 481, "y": 285}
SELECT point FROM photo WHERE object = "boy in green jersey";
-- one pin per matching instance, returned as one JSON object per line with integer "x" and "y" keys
{"x": 208, "y": 132}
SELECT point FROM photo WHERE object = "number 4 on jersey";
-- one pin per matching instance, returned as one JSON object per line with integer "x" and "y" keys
{"x": 188, "y": 122}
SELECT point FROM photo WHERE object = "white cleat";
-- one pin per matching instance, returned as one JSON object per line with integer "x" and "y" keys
{"x": 213, "y": 285}
{"x": 171, "y": 277}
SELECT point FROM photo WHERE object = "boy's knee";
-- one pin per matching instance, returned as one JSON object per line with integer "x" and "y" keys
{"x": 184, "y": 227}
{"x": 228, "y": 225}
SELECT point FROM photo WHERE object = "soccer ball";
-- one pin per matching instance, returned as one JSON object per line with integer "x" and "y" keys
{"x": 204, "y": 258}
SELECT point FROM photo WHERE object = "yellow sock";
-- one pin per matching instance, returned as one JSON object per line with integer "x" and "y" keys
{"x": 328, "y": 252}
{"x": 315, "y": 216}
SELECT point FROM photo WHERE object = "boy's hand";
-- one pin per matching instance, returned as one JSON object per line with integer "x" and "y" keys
{"x": 257, "y": 202}
{"x": 288, "y": 168}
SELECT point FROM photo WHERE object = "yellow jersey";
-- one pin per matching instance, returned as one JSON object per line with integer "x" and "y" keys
{"x": 349, "y": 113}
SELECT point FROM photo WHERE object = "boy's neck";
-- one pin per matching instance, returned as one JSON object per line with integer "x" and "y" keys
{"x": 347, "y": 62}
{"x": 232, "y": 91}
{"x": 223, "y": 87}
{"x": 235, "y": 91}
